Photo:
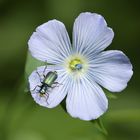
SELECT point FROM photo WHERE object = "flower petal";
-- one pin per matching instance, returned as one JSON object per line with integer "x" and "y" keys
{"x": 111, "y": 69}
{"x": 54, "y": 95}
{"x": 91, "y": 34}
{"x": 86, "y": 100}
{"x": 50, "y": 42}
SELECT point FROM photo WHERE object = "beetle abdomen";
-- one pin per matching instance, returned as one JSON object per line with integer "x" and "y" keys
{"x": 50, "y": 78}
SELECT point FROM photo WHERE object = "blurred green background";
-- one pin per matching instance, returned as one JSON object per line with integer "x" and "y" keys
{"x": 20, "y": 117}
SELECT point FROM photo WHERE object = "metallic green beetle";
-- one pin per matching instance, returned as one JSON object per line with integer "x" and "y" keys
{"x": 49, "y": 80}
{"x": 47, "y": 83}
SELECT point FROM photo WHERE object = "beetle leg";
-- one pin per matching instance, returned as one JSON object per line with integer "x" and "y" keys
{"x": 39, "y": 76}
{"x": 56, "y": 84}
{"x": 46, "y": 95}
{"x": 35, "y": 88}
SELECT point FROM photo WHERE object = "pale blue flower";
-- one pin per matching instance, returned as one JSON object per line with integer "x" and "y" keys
{"x": 82, "y": 66}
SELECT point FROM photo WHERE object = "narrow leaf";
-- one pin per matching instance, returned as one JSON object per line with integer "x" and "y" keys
{"x": 111, "y": 96}
{"x": 100, "y": 126}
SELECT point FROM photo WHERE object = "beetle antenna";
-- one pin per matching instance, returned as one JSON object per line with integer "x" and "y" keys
{"x": 44, "y": 70}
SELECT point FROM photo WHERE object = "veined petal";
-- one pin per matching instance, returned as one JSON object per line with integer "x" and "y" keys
{"x": 91, "y": 34}
{"x": 111, "y": 69}
{"x": 86, "y": 100}
{"x": 50, "y": 42}
{"x": 54, "y": 94}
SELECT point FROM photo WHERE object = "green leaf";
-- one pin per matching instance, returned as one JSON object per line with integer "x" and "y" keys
{"x": 31, "y": 64}
{"x": 111, "y": 96}
{"x": 99, "y": 124}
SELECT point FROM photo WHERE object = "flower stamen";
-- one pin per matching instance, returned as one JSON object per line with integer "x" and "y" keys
{"x": 75, "y": 64}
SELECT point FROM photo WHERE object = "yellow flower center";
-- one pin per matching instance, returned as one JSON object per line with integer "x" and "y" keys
{"x": 76, "y": 65}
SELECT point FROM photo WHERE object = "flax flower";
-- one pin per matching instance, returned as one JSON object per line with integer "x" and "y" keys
{"x": 82, "y": 66}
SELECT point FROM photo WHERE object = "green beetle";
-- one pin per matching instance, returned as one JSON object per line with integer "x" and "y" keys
{"x": 48, "y": 81}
